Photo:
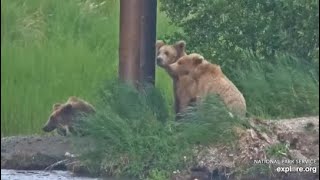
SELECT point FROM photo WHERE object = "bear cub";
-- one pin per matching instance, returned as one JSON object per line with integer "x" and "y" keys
{"x": 209, "y": 79}
{"x": 182, "y": 85}
{"x": 64, "y": 115}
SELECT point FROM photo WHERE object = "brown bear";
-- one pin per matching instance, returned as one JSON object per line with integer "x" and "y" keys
{"x": 166, "y": 55}
{"x": 64, "y": 115}
{"x": 209, "y": 80}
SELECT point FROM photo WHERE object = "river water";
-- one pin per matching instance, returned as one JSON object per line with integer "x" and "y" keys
{"x": 8, "y": 174}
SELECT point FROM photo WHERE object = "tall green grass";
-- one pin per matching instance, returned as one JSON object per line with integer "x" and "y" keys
{"x": 133, "y": 135}
{"x": 282, "y": 87}
{"x": 54, "y": 49}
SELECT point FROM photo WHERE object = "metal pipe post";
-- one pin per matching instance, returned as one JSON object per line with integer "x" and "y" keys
{"x": 148, "y": 41}
{"x": 130, "y": 31}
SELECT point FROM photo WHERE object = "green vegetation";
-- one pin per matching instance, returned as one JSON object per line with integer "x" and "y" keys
{"x": 129, "y": 137}
{"x": 53, "y": 49}
{"x": 269, "y": 49}
{"x": 57, "y": 48}
{"x": 265, "y": 28}
{"x": 278, "y": 150}
{"x": 283, "y": 89}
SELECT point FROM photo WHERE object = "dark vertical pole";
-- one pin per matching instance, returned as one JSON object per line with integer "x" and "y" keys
{"x": 148, "y": 41}
{"x": 130, "y": 31}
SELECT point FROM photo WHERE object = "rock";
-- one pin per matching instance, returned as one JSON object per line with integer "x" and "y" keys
{"x": 33, "y": 152}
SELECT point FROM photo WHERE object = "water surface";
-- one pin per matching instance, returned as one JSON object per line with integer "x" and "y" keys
{"x": 8, "y": 174}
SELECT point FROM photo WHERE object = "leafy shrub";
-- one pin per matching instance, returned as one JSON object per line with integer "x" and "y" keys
{"x": 269, "y": 49}
{"x": 220, "y": 29}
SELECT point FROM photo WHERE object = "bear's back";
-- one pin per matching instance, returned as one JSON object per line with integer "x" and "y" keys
{"x": 214, "y": 81}
{"x": 80, "y": 105}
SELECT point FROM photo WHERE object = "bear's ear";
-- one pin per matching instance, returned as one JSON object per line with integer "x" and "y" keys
{"x": 56, "y": 106}
{"x": 73, "y": 99}
{"x": 67, "y": 108}
{"x": 159, "y": 44}
{"x": 180, "y": 45}
{"x": 198, "y": 59}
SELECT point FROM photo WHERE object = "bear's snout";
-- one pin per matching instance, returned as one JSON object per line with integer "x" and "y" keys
{"x": 47, "y": 128}
{"x": 159, "y": 60}
{"x": 173, "y": 67}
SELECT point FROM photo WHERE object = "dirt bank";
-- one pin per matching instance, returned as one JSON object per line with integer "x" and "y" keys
{"x": 33, "y": 152}
{"x": 288, "y": 142}
{"x": 270, "y": 149}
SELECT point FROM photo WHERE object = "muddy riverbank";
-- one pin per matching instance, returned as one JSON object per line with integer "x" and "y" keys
{"x": 33, "y": 152}
{"x": 299, "y": 137}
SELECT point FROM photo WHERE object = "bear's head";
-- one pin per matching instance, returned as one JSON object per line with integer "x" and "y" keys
{"x": 61, "y": 115}
{"x": 195, "y": 66}
{"x": 186, "y": 64}
{"x": 168, "y": 54}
